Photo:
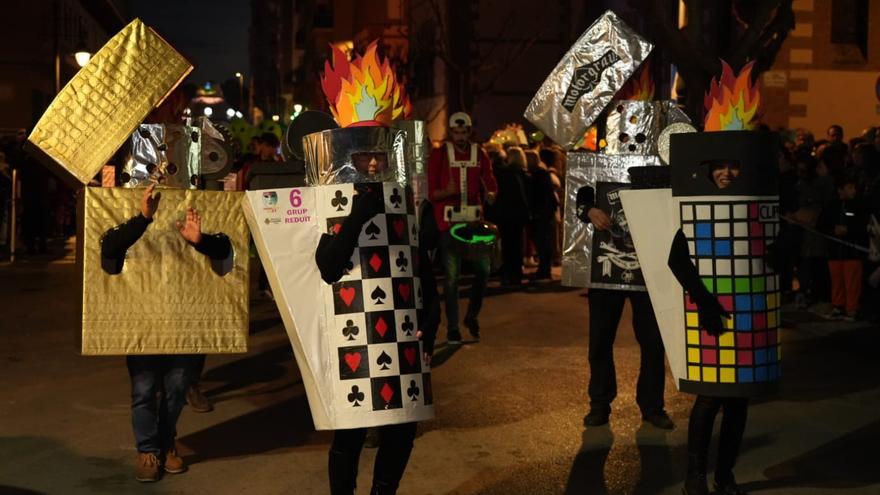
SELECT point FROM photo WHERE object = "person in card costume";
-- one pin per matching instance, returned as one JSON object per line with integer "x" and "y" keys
{"x": 716, "y": 300}
{"x": 343, "y": 260}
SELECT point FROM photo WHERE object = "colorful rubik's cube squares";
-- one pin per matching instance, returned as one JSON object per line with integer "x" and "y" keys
{"x": 727, "y": 242}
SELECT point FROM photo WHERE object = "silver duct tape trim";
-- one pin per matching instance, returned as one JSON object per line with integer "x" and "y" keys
{"x": 586, "y": 79}
{"x": 587, "y": 169}
{"x": 417, "y": 152}
{"x": 169, "y": 154}
{"x": 328, "y": 155}
{"x": 634, "y": 127}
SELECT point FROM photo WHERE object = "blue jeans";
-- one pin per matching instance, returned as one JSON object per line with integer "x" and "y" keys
{"x": 154, "y": 419}
{"x": 452, "y": 271}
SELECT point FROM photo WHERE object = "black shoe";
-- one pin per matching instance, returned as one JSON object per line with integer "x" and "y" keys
{"x": 473, "y": 327}
{"x": 453, "y": 337}
{"x": 660, "y": 420}
{"x": 596, "y": 417}
{"x": 729, "y": 488}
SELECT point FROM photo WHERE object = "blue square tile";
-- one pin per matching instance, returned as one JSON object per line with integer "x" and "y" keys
{"x": 745, "y": 375}
{"x": 761, "y": 374}
{"x": 743, "y": 303}
{"x": 743, "y": 321}
{"x": 760, "y": 356}
{"x": 704, "y": 229}
{"x": 723, "y": 248}
{"x": 759, "y": 302}
{"x": 704, "y": 248}
{"x": 774, "y": 372}
{"x": 771, "y": 355}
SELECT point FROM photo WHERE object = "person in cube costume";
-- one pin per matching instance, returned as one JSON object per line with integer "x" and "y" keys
{"x": 717, "y": 301}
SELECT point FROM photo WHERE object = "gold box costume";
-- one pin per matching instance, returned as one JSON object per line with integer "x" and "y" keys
{"x": 168, "y": 299}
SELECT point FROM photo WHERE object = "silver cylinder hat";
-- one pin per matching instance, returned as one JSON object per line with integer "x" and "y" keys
{"x": 330, "y": 155}
{"x": 169, "y": 154}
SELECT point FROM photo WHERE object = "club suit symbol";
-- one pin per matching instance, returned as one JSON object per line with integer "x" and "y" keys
{"x": 350, "y": 330}
{"x": 401, "y": 261}
{"x": 413, "y": 391}
{"x": 356, "y": 396}
{"x": 407, "y": 326}
{"x": 395, "y": 198}
{"x": 339, "y": 201}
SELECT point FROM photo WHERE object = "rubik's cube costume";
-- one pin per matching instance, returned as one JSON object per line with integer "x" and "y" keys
{"x": 702, "y": 244}
{"x": 146, "y": 293}
{"x": 342, "y": 258}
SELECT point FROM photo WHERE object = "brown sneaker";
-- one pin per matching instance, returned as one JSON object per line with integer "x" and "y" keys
{"x": 147, "y": 468}
{"x": 174, "y": 463}
{"x": 197, "y": 400}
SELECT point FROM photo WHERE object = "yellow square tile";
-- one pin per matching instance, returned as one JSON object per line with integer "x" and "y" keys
{"x": 726, "y": 339}
{"x": 692, "y": 320}
{"x": 710, "y": 374}
{"x": 728, "y": 357}
{"x": 694, "y": 373}
{"x": 693, "y": 337}
{"x": 728, "y": 323}
{"x": 771, "y": 301}
{"x": 728, "y": 375}
{"x": 693, "y": 355}
{"x": 779, "y": 350}
{"x": 771, "y": 319}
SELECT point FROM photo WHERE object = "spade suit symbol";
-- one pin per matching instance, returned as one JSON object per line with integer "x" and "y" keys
{"x": 373, "y": 230}
{"x": 413, "y": 390}
{"x": 339, "y": 201}
{"x": 384, "y": 360}
{"x": 401, "y": 261}
{"x": 395, "y": 198}
{"x": 378, "y": 294}
{"x": 350, "y": 330}
{"x": 356, "y": 396}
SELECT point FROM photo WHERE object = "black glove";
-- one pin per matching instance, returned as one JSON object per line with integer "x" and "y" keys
{"x": 709, "y": 309}
{"x": 334, "y": 251}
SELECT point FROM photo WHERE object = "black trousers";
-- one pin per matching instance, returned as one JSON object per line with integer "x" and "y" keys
{"x": 542, "y": 236}
{"x": 395, "y": 446}
{"x": 733, "y": 425}
{"x": 511, "y": 252}
{"x": 606, "y": 308}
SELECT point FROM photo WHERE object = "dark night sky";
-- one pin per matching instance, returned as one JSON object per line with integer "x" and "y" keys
{"x": 212, "y": 34}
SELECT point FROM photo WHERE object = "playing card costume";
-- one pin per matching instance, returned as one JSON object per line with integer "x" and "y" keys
{"x": 148, "y": 292}
{"x": 702, "y": 243}
{"x": 603, "y": 257}
{"x": 342, "y": 258}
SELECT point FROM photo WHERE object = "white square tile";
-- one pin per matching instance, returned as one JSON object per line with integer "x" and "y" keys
{"x": 349, "y": 330}
{"x": 740, "y": 211}
{"x": 395, "y": 198}
{"x": 740, "y": 267}
{"x": 378, "y": 294}
{"x": 374, "y": 232}
{"x": 356, "y": 394}
{"x": 704, "y": 212}
{"x": 335, "y": 200}
{"x": 688, "y": 230}
{"x": 401, "y": 261}
{"x": 407, "y": 324}
{"x": 383, "y": 360}
{"x": 687, "y": 212}
{"x": 722, "y": 266}
{"x": 741, "y": 229}
{"x": 705, "y": 267}
{"x": 741, "y": 248}
{"x": 757, "y": 266}
{"x": 722, "y": 212}
{"x": 722, "y": 229}
{"x": 412, "y": 388}
{"x": 692, "y": 247}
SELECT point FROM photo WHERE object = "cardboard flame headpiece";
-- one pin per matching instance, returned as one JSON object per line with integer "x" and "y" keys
{"x": 364, "y": 91}
{"x": 732, "y": 103}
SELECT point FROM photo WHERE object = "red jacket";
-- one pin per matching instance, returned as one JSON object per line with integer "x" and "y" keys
{"x": 439, "y": 173}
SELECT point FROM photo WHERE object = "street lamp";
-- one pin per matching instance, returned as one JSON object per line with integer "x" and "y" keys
{"x": 240, "y": 77}
{"x": 297, "y": 108}
{"x": 208, "y": 111}
{"x": 230, "y": 113}
{"x": 82, "y": 54}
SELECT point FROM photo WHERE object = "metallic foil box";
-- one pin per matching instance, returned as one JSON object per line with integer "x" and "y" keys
{"x": 102, "y": 105}
{"x": 586, "y": 79}
{"x": 578, "y": 256}
{"x": 167, "y": 299}
{"x": 633, "y": 127}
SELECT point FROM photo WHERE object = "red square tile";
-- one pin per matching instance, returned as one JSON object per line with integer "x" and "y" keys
{"x": 710, "y": 356}
{"x": 743, "y": 357}
{"x": 744, "y": 340}
{"x": 706, "y": 339}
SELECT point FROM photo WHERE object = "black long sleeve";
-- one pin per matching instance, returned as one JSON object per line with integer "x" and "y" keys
{"x": 585, "y": 201}
{"x": 334, "y": 251}
{"x": 215, "y": 246}
{"x": 430, "y": 298}
{"x": 709, "y": 309}
{"x": 116, "y": 241}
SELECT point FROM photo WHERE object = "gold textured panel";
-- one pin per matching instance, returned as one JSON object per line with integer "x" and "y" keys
{"x": 167, "y": 299}
{"x": 101, "y": 106}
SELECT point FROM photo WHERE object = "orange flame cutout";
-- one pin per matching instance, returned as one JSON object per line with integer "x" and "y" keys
{"x": 639, "y": 87}
{"x": 364, "y": 91}
{"x": 732, "y": 103}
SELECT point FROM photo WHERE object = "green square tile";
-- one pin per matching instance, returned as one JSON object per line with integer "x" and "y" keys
{"x": 724, "y": 285}
{"x": 709, "y": 283}
{"x": 742, "y": 285}
{"x": 758, "y": 284}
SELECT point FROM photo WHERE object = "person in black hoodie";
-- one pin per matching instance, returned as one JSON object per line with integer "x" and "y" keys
{"x": 395, "y": 440}
{"x": 154, "y": 421}
{"x": 846, "y": 219}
